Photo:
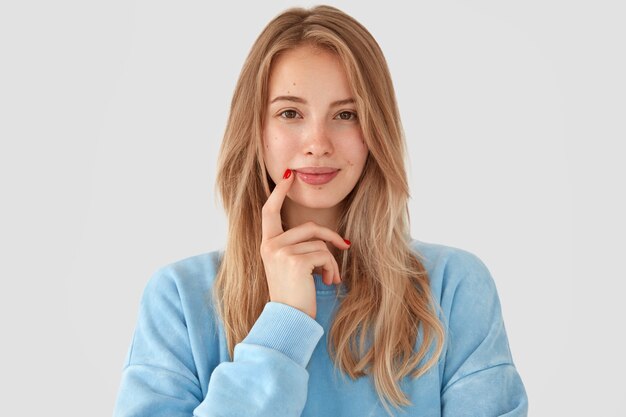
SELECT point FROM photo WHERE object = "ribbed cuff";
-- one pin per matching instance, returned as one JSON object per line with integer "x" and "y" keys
{"x": 288, "y": 330}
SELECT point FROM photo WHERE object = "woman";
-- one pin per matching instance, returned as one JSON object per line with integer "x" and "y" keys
{"x": 292, "y": 318}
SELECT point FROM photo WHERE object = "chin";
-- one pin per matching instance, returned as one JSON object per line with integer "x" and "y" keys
{"x": 313, "y": 202}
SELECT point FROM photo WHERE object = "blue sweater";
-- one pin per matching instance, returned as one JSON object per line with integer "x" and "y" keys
{"x": 177, "y": 364}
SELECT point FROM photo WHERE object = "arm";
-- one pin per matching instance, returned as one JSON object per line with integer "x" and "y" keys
{"x": 266, "y": 378}
{"x": 479, "y": 378}
{"x": 268, "y": 375}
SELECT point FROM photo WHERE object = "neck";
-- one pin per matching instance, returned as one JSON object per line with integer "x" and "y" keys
{"x": 294, "y": 215}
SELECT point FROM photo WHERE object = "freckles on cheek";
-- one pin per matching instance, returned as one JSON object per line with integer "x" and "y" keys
{"x": 267, "y": 145}
{"x": 266, "y": 142}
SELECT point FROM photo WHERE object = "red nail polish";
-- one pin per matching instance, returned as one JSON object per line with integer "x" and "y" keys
{"x": 347, "y": 241}
{"x": 287, "y": 174}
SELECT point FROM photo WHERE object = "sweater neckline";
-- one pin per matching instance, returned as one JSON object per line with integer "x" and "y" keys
{"x": 322, "y": 288}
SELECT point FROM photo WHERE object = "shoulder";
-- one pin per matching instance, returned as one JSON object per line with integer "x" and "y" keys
{"x": 194, "y": 270}
{"x": 454, "y": 271}
{"x": 185, "y": 281}
{"x": 176, "y": 312}
{"x": 475, "y": 344}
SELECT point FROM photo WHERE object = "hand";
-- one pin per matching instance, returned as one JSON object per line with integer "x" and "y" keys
{"x": 290, "y": 257}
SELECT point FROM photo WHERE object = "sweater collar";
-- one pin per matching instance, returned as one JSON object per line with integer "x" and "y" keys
{"x": 321, "y": 287}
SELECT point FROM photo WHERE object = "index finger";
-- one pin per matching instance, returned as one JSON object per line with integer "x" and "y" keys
{"x": 270, "y": 215}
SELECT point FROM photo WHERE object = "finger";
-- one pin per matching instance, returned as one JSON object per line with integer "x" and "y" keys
{"x": 332, "y": 278}
{"x": 335, "y": 271}
{"x": 321, "y": 259}
{"x": 306, "y": 247}
{"x": 308, "y": 231}
{"x": 337, "y": 278}
{"x": 270, "y": 214}
{"x": 315, "y": 246}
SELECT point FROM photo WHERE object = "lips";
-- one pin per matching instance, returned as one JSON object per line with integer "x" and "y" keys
{"x": 316, "y": 175}
{"x": 316, "y": 170}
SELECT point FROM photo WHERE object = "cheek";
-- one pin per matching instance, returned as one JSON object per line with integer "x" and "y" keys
{"x": 281, "y": 139}
{"x": 279, "y": 146}
{"x": 355, "y": 151}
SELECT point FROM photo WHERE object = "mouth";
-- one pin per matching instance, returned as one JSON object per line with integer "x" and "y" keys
{"x": 316, "y": 170}
{"x": 316, "y": 176}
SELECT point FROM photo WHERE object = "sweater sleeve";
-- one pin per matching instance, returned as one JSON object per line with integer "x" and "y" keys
{"x": 267, "y": 376}
{"x": 479, "y": 378}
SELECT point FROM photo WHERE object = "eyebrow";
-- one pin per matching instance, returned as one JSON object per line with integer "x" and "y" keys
{"x": 303, "y": 101}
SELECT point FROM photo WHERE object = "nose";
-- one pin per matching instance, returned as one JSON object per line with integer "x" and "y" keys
{"x": 317, "y": 139}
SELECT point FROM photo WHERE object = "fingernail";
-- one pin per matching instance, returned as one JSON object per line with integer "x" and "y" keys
{"x": 347, "y": 241}
{"x": 287, "y": 174}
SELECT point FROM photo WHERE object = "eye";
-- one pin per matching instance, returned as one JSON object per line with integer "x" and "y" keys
{"x": 288, "y": 114}
{"x": 347, "y": 115}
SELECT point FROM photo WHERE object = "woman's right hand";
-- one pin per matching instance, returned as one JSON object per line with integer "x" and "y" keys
{"x": 290, "y": 257}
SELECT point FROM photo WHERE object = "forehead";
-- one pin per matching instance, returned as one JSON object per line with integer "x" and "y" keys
{"x": 307, "y": 69}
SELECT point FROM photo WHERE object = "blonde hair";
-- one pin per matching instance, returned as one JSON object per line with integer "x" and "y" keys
{"x": 388, "y": 304}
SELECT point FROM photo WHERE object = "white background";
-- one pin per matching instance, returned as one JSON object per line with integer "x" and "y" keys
{"x": 111, "y": 116}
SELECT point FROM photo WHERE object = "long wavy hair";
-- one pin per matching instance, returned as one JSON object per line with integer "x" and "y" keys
{"x": 388, "y": 308}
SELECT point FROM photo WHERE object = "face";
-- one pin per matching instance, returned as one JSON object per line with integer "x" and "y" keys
{"x": 311, "y": 122}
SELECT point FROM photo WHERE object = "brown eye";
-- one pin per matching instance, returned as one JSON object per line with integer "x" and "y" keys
{"x": 347, "y": 115}
{"x": 289, "y": 114}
